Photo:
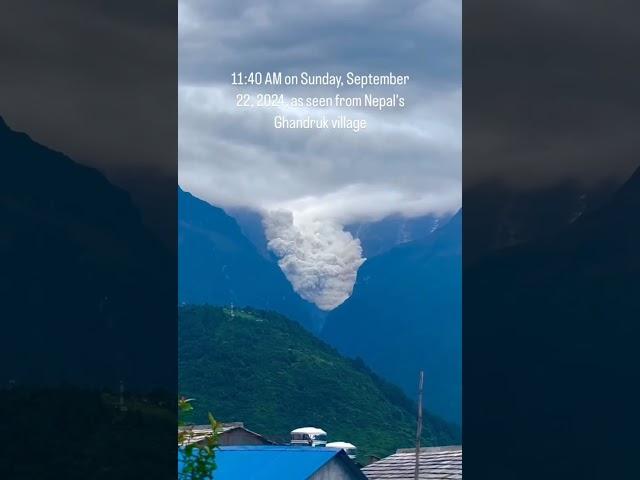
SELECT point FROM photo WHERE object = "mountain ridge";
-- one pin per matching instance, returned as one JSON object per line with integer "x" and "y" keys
{"x": 219, "y": 265}
{"x": 561, "y": 344}
{"x": 405, "y": 315}
{"x": 84, "y": 275}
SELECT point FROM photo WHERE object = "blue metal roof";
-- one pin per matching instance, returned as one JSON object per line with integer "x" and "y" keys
{"x": 270, "y": 462}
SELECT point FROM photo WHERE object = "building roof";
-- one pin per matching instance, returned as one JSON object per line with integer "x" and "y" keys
{"x": 270, "y": 462}
{"x": 198, "y": 433}
{"x": 436, "y": 463}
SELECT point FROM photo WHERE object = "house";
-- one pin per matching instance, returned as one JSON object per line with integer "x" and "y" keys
{"x": 274, "y": 462}
{"x": 436, "y": 463}
{"x": 233, "y": 433}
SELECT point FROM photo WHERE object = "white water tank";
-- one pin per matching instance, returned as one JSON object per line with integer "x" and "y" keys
{"x": 309, "y": 436}
{"x": 349, "y": 448}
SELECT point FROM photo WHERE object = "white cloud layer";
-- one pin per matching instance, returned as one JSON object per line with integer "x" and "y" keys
{"x": 406, "y": 162}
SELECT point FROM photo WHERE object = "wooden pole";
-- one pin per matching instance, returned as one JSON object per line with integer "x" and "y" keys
{"x": 416, "y": 474}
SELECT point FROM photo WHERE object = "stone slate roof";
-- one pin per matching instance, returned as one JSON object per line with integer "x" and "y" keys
{"x": 436, "y": 463}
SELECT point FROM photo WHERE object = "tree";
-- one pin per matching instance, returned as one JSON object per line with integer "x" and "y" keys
{"x": 198, "y": 460}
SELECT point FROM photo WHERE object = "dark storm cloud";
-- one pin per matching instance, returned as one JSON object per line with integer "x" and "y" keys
{"x": 422, "y": 37}
{"x": 93, "y": 79}
{"x": 550, "y": 91}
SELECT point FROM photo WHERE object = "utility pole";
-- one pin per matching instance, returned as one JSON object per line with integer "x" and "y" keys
{"x": 416, "y": 474}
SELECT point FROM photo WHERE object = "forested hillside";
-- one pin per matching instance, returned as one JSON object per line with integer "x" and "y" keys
{"x": 267, "y": 371}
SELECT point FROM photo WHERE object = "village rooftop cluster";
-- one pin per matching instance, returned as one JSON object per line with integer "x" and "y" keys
{"x": 243, "y": 453}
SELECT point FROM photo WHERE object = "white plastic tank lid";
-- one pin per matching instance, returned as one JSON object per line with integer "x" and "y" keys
{"x": 309, "y": 431}
{"x": 343, "y": 445}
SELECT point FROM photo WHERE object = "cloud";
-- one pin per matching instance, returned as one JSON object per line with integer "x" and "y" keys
{"x": 319, "y": 258}
{"x": 107, "y": 100}
{"x": 407, "y": 161}
{"x": 406, "y": 164}
{"x": 545, "y": 95}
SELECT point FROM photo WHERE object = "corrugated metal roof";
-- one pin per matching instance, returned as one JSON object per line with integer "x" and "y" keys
{"x": 199, "y": 433}
{"x": 266, "y": 462}
{"x": 435, "y": 464}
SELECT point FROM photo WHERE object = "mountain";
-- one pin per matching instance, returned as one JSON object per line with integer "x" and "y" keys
{"x": 501, "y": 216}
{"x": 218, "y": 265}
{"x": 81, "y": 277}
{"x": 554, "y": 326}
{"x": 381, "y": 236}
{"x": 265, "y": 370}
{"x": 250, "y": 223}
{"x": 405, "y": 314}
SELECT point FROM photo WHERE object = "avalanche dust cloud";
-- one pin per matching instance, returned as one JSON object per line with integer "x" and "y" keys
{"x": 318, "y": 257}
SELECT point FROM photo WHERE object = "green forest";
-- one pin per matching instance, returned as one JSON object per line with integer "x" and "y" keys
{"x": 264, "y": 370}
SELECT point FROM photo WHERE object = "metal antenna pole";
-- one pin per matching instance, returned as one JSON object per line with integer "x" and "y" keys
{"x": 416, "y": 474}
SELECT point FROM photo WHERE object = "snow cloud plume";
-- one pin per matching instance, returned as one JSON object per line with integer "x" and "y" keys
{"x": 318, "y": 257}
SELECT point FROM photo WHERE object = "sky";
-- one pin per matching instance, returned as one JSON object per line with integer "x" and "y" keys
{"x": 309, "y": 184}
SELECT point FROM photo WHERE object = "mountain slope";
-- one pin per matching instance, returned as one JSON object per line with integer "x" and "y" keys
{"x": 250, "y": 223}
{"x": 218, "y": 265}
{"x": 555, "y": 324}
{"x": 405, "y": 314}
{"x": 81, "y": 276}
{"x": 381, "y": 236}
{"x": 262, "y": 369}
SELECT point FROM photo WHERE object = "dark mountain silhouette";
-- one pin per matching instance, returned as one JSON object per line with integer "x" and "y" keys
{"x": 218, "y": 265}
{"x": 554, "y": 325}
{"x": 405, "y": 314}
{"x": 83, "y": 283}
{"x": 501, "y": 216}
